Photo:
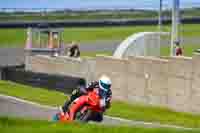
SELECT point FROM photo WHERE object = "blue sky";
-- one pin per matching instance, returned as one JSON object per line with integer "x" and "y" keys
{"x": 93, "y": 4}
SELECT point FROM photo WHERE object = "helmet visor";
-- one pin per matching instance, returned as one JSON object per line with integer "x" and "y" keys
{"x": 104, "y": 86}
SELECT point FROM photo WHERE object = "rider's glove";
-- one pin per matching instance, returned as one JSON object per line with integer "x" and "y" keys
{"x": 108, "y": 99}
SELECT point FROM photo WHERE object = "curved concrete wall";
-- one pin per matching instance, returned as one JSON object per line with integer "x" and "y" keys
{"x": 168, "y": 81}
{"x": 140, "y": 44}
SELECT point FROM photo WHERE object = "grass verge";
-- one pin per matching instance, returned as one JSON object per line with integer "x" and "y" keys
{"x": 119, "y": 109}
{"x": 8, "y": 125}
{"x": 42, "y": 96}
{"x": 188, "y": 50}
{"x": 154, "y": 114}
{"x": 17, "y": 37}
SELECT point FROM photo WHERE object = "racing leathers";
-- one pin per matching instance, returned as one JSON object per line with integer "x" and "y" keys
{"x": 82, "y": 90}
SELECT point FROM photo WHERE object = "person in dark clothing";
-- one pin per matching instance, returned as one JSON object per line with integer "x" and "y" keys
{"x": 103, "y": 85}
{"x": 74, "y": 51}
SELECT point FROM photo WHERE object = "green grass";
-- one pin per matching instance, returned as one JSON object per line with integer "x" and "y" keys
{"x": 12, "y": 37}
{"x": 103, "y": 33}
{"x": 119, "y": 109}
{"x": 42, "y": 96}
{"x": 17, "y": 37}
{"x": 77, "y": 16}
{"x": 94, "y": 54}
{"x": 8, "y": 125}
{"x": 146, "y": 113}
{"x": 93, "y": 15}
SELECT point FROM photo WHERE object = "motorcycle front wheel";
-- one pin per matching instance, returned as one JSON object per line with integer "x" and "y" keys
{"x": 83, "y": 117}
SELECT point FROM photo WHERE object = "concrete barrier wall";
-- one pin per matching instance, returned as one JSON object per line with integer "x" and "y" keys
{"x": 117, "y": 70}
{"x": 152, "y": 79}
{"x": 195, "y": 85}
{"x": 179, "y": 81}
{"x": 58, "y": 65}
{"x": 137, "y": 82}
{"x": 170, "y": 82}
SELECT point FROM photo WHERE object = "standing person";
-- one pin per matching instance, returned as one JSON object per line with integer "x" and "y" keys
{"x": 74, "y": 50}
{"x": 178, "y": 49}
{"x": 55, "y": 42}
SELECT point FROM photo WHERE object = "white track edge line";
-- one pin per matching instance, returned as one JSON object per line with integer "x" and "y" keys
{"x": 113, "y": 118}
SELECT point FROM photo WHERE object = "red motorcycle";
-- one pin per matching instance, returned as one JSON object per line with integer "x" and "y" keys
{"x": 86, "y": 108}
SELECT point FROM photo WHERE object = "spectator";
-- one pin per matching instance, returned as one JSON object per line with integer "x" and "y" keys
{"x": 178, "y": 49}
{"x": 55, "y": 43}
{"x": 55, "y": 40}
{"x": 74, "y": 50}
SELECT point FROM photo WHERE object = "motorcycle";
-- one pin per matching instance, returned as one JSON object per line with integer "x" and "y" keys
{"x": 86, "y": 108}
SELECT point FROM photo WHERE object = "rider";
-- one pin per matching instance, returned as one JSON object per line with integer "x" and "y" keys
{"x": 103, "y": 85}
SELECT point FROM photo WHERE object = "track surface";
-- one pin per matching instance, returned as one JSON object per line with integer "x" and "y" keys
{"x": 97, "y": 46}
{"x": 111, "y": 45}
{"x": 85, "y": 23}
{"x": 11, "y": 106}
{"x": 91, "y": 23}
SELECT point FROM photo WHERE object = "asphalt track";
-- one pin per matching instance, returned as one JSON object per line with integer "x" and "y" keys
{"x": 99, "y": 46}
{"x": 14, "y": 107}
{"x": 86, "y": 23}
{"x": 111, "y": 45}
{"x": 91, "y": 23}
{"x": 16, "y": 56}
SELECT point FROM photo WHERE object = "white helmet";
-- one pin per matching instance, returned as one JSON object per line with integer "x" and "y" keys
{"x": 105, "y": 83}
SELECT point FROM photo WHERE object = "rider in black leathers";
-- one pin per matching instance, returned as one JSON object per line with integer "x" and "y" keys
{"x": 104, "y": 88}
{"x": 82, "y": 90}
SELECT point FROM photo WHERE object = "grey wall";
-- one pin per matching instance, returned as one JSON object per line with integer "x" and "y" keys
{"x": 11, "y": 57}
{"x": 168, "y": 81}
